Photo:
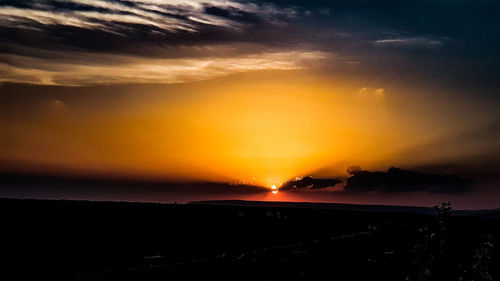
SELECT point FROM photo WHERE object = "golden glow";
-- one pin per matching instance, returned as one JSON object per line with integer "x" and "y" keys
{"x": 261, "y": 128}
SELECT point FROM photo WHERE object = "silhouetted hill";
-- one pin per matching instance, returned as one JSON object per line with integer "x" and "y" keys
{"x": 493, "y": 213}
{"x": 67, "y": 240}
{"x": 319, "y": 206}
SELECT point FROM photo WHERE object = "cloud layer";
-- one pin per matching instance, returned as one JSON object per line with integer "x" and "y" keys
{"x": 60, "y": 42}
{"x": 122, "y": 17}
{"x": 399, "y": 180}
{"x": 82, "y": 42}
{"x": 309, "y": 183}
{"x": 128, "y": 69}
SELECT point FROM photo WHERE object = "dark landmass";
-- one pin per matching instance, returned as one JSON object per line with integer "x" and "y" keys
{"x": 493, "y": 213}
{"x": 237, "y": 240}
{"x": 320, "y": 206}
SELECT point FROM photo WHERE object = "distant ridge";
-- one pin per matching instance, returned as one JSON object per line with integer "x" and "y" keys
{"x": 323, "y": 206}
{"x": 486, "y": 213}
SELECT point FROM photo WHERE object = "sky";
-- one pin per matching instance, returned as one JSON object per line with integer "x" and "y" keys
{"x": 252, "y": 92}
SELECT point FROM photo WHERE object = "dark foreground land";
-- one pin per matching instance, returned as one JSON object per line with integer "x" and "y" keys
{"x": 233, "y": 240}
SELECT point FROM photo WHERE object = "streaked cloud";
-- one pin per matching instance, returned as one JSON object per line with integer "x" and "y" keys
{"x": 107, "y": 69}
{"x": 416, "y": 42}
{"x": 115, "y": 17}
{"x": 81, "y": 42}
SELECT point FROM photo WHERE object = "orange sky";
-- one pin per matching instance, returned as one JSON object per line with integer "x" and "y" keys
{"x": 180, "y": 95}
{"x": 261, "y": 127}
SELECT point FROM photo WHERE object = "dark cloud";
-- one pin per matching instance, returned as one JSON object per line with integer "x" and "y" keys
{"x": 39, "y": 186}
{"x": 399, "y": 180}
{"x": 351, "y": 170}
{"x": 309, "y": 183}
{"x": 132, "y": 26}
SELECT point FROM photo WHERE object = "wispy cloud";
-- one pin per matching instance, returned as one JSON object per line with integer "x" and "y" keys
{"x": 414, "y": 42}
{"x": 75, "y": 42}
{"x": 125, "y": 69}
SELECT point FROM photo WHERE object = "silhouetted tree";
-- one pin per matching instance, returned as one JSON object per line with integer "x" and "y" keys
{"x": 440, "y": 255}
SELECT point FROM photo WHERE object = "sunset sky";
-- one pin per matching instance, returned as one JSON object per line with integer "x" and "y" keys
{"x": 246, "y": 92}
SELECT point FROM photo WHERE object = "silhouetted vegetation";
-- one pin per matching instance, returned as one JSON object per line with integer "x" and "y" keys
{"x": 442, "y": 253}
